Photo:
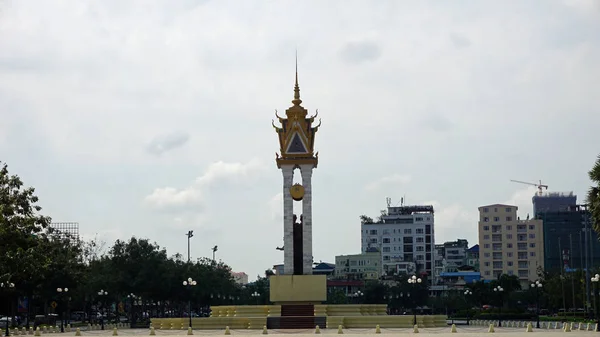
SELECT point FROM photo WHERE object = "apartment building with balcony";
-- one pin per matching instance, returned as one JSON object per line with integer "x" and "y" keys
{"x": 405, "y": 237}
{"x": 509, "y": 245}
{"x": 364, "y": 266}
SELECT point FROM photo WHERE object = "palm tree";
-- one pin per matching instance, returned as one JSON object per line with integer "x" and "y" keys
{"x": 593, "y": 197}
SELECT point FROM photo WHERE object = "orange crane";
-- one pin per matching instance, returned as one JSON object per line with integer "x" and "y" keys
{"x": 539, "y": 186}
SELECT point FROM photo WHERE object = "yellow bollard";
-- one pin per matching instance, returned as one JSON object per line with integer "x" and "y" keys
{"x": 190, "y": 332}
{"x": 152, "y": 332}
{"x": 115, "y": 333}
{"x": 317, "y": 330}
{"x": 529, "y": 328}
{"x": 77, "y": 332}
{"x": 340, "y": 330}
{"x": 227, "y": 332}
{"x": 453, "y": 329}
{"x": 377, "y": 329}
{"x": 265, "y": 332}
{"x": 38, "y": 332}
{"x": 491, "y": 329}
{"x": 416, "y": 328}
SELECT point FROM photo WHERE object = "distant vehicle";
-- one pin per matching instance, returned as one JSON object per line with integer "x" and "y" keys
{"x": 3, "y": 321}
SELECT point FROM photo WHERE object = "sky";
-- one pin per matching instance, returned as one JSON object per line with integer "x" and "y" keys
{"x": 151, "y": 118}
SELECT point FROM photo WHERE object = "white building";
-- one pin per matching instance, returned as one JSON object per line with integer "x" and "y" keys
{"x": 405, "y": 237}
{"x": 240, "y": 278}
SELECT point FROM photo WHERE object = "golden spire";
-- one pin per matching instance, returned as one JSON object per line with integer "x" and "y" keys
{"x": 296, "y": 101}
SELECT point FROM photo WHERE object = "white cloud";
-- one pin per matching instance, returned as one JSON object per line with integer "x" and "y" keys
{"x": 164, "y": 143}
{"x": 275, "y": 206}
{"x": 388, "y": 181}
{"x": 192, "y": 197}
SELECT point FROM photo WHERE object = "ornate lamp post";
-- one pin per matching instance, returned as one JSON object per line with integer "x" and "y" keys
{"x": 536, "y": 286}
{"x": 255, "y": 295}
{"x": 499, "y": 290}
{"x": 60, "y": 292}
{"x": 413, "y": 281}
{"x": 102, "y": 294}
{"x": 595, "y": 281}
{"x": 189, "y": 283}
{"x": 7, "y": 286}
{"x": 468, "y": 293}
{"x": 132, "y": 298}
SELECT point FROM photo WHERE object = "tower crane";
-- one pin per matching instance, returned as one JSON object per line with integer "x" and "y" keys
{"x": 539, "y": 186}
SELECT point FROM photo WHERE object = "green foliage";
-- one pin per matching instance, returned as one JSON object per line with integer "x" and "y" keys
{"x": 593, "y": 196}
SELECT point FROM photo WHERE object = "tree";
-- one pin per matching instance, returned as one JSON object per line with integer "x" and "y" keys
{"x": 21, "y": 229}
{"x": 593, "y": 196}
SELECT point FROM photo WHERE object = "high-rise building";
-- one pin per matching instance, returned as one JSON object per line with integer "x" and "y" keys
{"x": 362, "y": 266}
{"x": 403, "y": 234}
{"x": 553, "y": 202}
{"x": 508, "y": 245}
{"x": 67, "y": 230}
{"x": 473, "y": 257}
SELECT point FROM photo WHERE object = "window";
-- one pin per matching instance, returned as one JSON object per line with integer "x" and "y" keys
{"x": 373, "y": 232}
{"x": 497, "y": 256}
{"x": 420, "y": 249}
{"x": 509, "y": 263}
{"x": 510, "y": 273}
{"x": 524, "y": 273}
{"x": 509, "y": 254}
{"x": 532, "y": 245}
{"x": 486, "y": 245}
{"x": 386, "y": 240}
{"x": 486, "y": 219}
{"x": 532, "y": 254}
{"x": 522, "y": 246}
{"x": 486, "y": 237}
{"x": 508, "y": 209}
{"x": 509, "y": 236}
{"x": 509, "y": 228}
{"x": 420, "y": 240}
{"x": 496, "y": 218}
{"x": 386, "y": 231}
{"x": 522, "y": 256}
{"x": 532, "y": 235}
{"x": 407, "y": 231}
{"x": 485, "y": 210}
{"x": 486, "y": 228}
{"x": 419, "y": 230}
{"x": 496, "y": 209}
{"x": 386, "y": 249}
{"x": 419, "y": 218}
{"x": 486, "y": 254}
{"x": 487, "y": 273}
{"x": 509, "y": 245}
{"x": 420, "y": 258}
{"x": 509, "y": 218}
{"x": 531, "y": 227}
{"x": 497, "y": 265}
{"x": 487, "y": 264}
{"x": 373, "y": 240}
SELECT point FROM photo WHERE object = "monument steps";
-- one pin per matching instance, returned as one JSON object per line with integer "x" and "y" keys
{"x": 298, "y": 310}
{"x": 296, "y": 322}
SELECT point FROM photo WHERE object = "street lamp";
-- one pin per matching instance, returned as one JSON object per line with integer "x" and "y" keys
{"x": 413, "y": 281}
{"x": 60, "y": 291}
{"x": 255, "y": 295}
{"x": 536, "y": 286}
{"x": 132, "y": 298}
{"x": 468, "y": 293}
{"x": 189, "y": 283}
{"x": 8, "y": 286}
{"x": 500, "y": 290}
{"x": 102, "y": 294}
{"x": 595, "y": 280}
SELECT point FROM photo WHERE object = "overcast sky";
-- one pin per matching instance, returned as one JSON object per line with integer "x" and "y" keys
{"x": 152, "y": 118}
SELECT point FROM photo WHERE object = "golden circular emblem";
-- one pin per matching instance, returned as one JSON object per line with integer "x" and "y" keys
{"x": 297, "y": 192}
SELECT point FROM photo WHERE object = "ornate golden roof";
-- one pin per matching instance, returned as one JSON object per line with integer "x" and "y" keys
{"x": 297, "y": 134}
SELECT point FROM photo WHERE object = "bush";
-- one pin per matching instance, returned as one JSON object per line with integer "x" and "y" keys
{"x": 505, "y": 316}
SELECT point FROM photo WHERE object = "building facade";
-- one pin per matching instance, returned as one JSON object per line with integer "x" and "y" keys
{"x": 473, "y": 257}
{"x": 508, "y": 245}
{"x": 364, "y": 266}
{"x": 240, "y": 278}
{"x": 405, "y": 237}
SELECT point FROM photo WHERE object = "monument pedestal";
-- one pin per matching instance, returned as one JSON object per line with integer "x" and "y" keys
{"x": 297, "y": 295}
{"x": 298, "y": 289}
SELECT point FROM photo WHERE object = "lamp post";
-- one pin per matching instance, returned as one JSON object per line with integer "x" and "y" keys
{"x": 102, "y": 294}
{"x": 413, "y": 281}
{"x": 468, "y": 293}
{"x": 500, "y": 291}
{"x": 7, "y": 286}
{"x": 60, "y": 292}
{"x": 595, "y": 281}
{"x": 255, "y": 295}
{"x": 132, "y": 298}
{"x": 189, "y": 283}
{"x": 536, "y": 286}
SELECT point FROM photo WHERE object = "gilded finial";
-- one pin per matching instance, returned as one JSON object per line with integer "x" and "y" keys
{"x": 296, "y": 101}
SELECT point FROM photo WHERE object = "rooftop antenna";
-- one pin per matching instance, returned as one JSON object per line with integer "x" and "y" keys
{"x": 388, "y": 200}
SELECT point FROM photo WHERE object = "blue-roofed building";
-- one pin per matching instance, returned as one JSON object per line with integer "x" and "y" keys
{"x": 454, "y": 281}
{"x": 473, "y": 257}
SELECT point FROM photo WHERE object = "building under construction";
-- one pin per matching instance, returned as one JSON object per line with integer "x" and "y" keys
{"x": 66, "y": 230}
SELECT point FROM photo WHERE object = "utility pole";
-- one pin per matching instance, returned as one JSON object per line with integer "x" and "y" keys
{"x": 189, "y": 235}
{"x": 214, "y": 250}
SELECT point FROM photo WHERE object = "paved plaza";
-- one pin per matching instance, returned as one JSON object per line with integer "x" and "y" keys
{"x": 473, "y": 331}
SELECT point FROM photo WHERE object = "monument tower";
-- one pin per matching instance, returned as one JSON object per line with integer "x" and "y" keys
{"x": 296, "y": 141}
